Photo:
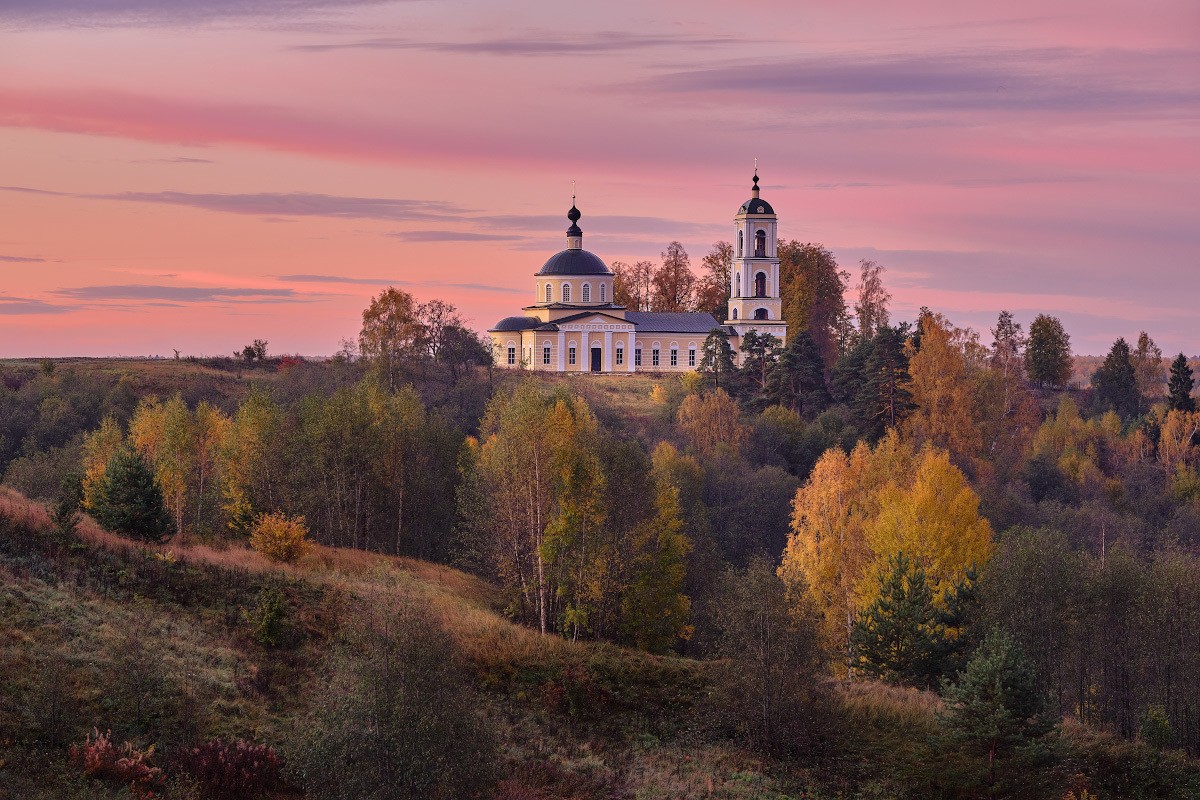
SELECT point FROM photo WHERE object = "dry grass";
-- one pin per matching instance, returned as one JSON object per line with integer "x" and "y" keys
{"x": 882, "y": 705}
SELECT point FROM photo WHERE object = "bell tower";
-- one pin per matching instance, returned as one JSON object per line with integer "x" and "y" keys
{"x": 754, "y": 299}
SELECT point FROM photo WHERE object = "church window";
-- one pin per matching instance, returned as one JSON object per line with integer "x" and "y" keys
{"x": 547, "y": 293}
{"x": 571, "y": 354}
{"x": 737, "y": 285}
{"x": 546, "y": 354}
{"x": 760, "y": 313}
{"x": 637, "y": 356}
{"x": 692, "y": 356}
{"x": 734, "y": 314}
{"x": 760, "y": 244}
{"x": 620, "y": 353}
{"x": 586, "y": 294}
{"x": 512, "y": 355}
{"x": 760, "y": 285}
{"x": 566, "y": 292}
{"x": 741, "y": 236}
{"x": 674, "y": 356}
{"x": 602, "y": 287}
{"x": 654, "y": 357}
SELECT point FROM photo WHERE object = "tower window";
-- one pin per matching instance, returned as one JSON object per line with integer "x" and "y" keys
{"x": 546, "y": 354}
{"x": 737, "y": 285}
{"x": 566, "y": 292}
{"x": 734, "y": 314}
{"x": 760, "y": 244}
{"x": 760, "y": 285}
{"x": 602, "y": 292}
{"x": 547, "y": 293}
{"x": 760, "y": 313}
{"x": 741, "y": 237}
{"x": 586, "y": 294}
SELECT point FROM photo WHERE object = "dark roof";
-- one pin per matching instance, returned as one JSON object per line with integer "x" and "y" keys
{"x": 517, "y": 324}
{"x": 756, "y": 206}
{"x": 585, "y": 314}
{"x": 672, "y": 321}
{"x": 579, "y": 306}
{"x": 574, "y": 262}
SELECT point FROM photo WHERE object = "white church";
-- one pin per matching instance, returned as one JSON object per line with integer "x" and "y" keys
{"x": 573, "y": 325}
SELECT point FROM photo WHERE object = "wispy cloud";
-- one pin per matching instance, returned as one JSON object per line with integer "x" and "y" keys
{"x": 482, "y": 287}
{"x": 452, "y": 236}
{"x": 143, "y": 13}
{"x": 175, "y": 160}
{"x": 178, "y": 294}
{"x": 21, "y": 260}
{"x": 27, "y": 305}
{"x": 535, "y": 44}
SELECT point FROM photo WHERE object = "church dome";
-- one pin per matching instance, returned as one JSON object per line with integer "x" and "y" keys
{"x": 574, "y": 262}
{"x": 755, "y": 205}
{"x": 517, "y": 324}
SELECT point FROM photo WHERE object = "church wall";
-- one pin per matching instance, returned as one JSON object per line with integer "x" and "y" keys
{"x": 599, "y": 286}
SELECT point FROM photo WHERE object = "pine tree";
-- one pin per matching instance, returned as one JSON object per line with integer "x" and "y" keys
{"x": 798, "y": 379}
{"x": 1116, "y": 382}
{"x": 898, "y": 637}
{"x": 717, "y": 359}
{"x": 995, "y": 708}
{"x": 883, "y": 399}
{"x": 1179, "y": 390}
{"x": 129, "y": 501}
{"x": 762, "y": 353}
{"x": 1048, "y": 352}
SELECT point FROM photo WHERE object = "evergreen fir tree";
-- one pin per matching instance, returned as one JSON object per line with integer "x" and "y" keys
{"x": 995, "y": 709}
{"x": 883, "y": 401}
{"x": 798, "y": 379}
{"x": 1179, "y": 390}
{"x": 1116, "y": 382}
{"x": 129, "y": 500}
{"x": 762, "y": 353}
{"x": 716, "y": 362}
{"x": 899, "y": 638}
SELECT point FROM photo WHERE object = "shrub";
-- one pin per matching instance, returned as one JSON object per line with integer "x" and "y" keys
{"x": 126, "y": 766}
{"x": 269, "y": 617}
{"x": 280, "y": 537}
{"x": 233, "y": 769}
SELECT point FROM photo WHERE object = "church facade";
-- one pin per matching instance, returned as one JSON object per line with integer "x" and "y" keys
{"x": 573, "y": 325}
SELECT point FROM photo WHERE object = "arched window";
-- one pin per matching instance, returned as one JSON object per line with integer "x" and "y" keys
{"x": 734, "y": 316}
{"x": 737, "y": 285}
{"x": 602, "y": 292}
{"x": 760, "y": 284}
{"x": 586, "y": 294}
{"x": 566, "y": 292}
{"x": 547, "y": 293}
{"x": 760, "y": 313}
{"x": 760, "y": 244}
{"x": 741, "y": 236}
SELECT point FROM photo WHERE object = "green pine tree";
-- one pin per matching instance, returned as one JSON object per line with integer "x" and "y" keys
{"x": 129, "y": 500}
{"x": 1179, "y": 389}
{"x": 716, "y": 362}
{"x": 1116, "y": 382}
{"x": 798, "y": 379}
{"x": 883, "y": 401}
{"x": 995, "y": 710}
{"x": 898, "y": 638}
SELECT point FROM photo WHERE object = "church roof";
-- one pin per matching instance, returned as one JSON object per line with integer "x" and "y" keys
{"x": 574, "y": 262}
{"x": 672, "y": 321}
{"x": 756, "y": 206}
{"x": 517, "y": 324}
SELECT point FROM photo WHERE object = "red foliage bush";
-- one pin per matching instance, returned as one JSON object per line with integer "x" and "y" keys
{"x": 287, "y": 362}
{"x": 234, "y": 770}
{"x": 99, "y": 758}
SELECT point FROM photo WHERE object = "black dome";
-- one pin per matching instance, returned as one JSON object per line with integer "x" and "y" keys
{"x": 574, "y": 262}
{"x": 517, "y": 324}
{"x": 756, "y": 206}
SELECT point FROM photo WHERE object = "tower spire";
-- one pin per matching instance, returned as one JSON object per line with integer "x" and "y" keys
{"x": 754, "y": 189}
{"x": 574, "y": 233}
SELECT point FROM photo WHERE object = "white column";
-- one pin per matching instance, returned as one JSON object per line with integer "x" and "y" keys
{"x": 608, "y": 348}
{"x": 562, "y": 351}
{"x": 630, "y": 344}
{"x": 585, "y": 354}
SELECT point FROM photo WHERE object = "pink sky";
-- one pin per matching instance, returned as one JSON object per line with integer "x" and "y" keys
{"x": 195, "y": 174}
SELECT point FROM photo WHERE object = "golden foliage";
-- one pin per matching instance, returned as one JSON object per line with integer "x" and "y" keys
{"x": 99, "y": 447}
{"x": 280, "y": 537}
{"x": 709, "y": 421}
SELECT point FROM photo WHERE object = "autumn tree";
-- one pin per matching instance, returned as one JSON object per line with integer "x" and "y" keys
{"x": 632, "y": 285}
{"x": 165, "y": 434}
{"x": 392, "y": 334}
{"x": 1115, "y": 381}
{"x": 654, "y": 609}
{"x": 871, "y": 310}
{"x": 1048, "y": 353}
{"x": 712, "y": 290}
{"x": 1008, "y": 343}
{"x": 710, "y": 421}
{"x": 673, "y": 284}
{"x": 813, "y": 292}
{"x": 1179, "y": 390}
{"x": 99, "y": 446}
{"x": 252, "y": 472}
{"x": 1149, "y": 371}
{"x": 942, "y": 386}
